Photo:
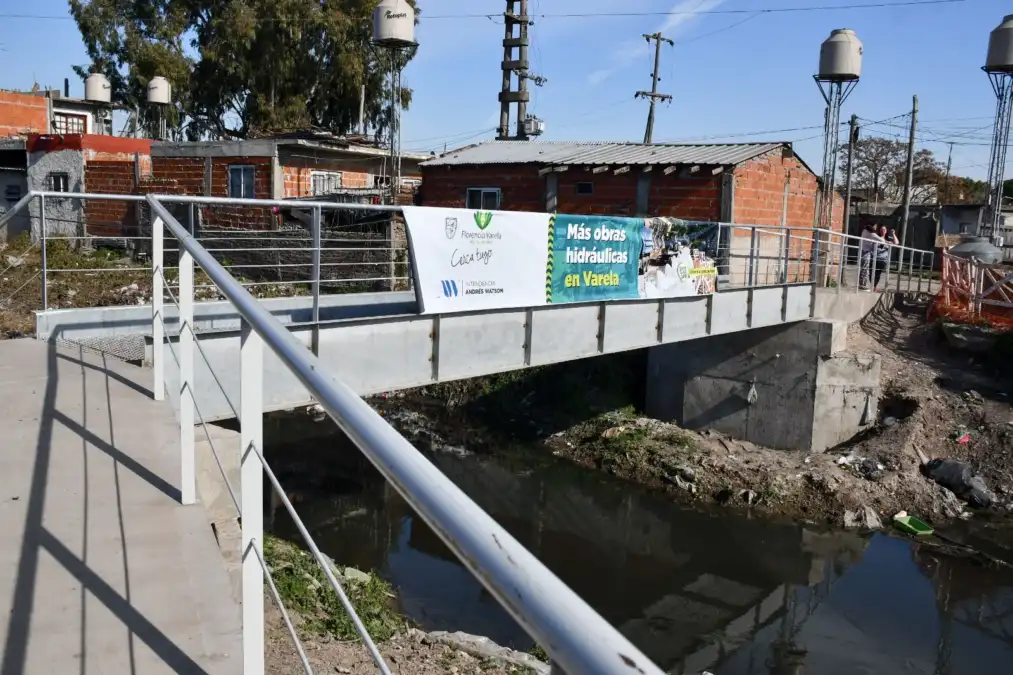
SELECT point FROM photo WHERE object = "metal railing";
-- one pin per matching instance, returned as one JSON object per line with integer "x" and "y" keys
{"x": 278, "y": 247}
{"x": 575, "y": 637}
{"x": 848, "y": 261}
{"x": 755, "y": 256}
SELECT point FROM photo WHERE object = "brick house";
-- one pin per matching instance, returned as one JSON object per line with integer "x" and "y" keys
{"x": 82, "y": 163}
{"x": 747, "y": 183}
{"x": 285, "y": 167}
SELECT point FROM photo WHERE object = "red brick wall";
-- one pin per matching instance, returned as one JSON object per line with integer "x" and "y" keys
{"x": 108, "y": 218}
{"x": 21, "y": 114}
{"x": 522, "y": 188}
{"x": 759, "y": 193}
{"x": 187, "y": 172}
{"x": 612, "y": 194}
{"x": 691, "y": 198}
{"x": 298, "y": 175}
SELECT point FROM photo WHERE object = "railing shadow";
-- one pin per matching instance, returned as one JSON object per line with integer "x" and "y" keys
{"x": 38, "y": 538}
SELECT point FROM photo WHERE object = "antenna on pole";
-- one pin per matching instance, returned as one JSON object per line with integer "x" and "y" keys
{"x": 527, "y": 125}
{"x": 653, "y": 94}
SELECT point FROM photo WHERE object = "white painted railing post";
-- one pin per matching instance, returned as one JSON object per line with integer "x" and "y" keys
{"x": 251, "y": 434}
{"x": 42, "y": 247}
{"x": 157, "y": 311}
{"x": 188, "y": 481}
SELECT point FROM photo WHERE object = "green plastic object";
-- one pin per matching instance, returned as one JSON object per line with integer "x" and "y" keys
{"x": 912, "y": 525}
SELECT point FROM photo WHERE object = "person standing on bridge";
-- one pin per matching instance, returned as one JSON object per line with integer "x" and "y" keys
{"x": 889, "y": 238}
{"x": 870, "y": 238}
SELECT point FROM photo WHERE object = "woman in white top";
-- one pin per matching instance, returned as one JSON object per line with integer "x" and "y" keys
{"x": 870, "y": 238}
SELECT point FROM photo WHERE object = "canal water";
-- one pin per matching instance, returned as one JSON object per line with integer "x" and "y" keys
{"x": 694, "y": 591}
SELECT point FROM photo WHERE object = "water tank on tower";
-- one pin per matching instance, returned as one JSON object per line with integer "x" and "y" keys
{"x": 159, "y": 90}
{"x": 841, "y": 56}
{"x": 1000, "y": 48}
{"x": 96, "y": 88}
{"x": 394, "y": 24}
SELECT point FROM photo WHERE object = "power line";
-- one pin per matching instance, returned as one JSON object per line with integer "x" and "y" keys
{"x": 769, "y": 10}
{"x": 578, "y": 15}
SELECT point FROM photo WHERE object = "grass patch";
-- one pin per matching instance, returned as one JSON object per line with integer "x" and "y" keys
{"x": 304, "y": 589}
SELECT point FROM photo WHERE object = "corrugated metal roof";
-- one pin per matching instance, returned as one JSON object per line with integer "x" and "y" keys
{"x": 601, "y": 153}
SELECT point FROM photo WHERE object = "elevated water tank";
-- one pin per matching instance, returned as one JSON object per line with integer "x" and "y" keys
{"x": 394, "y": 24}
{"x": 159, "y": 90}
{"x": 1000, "y": 47}
{"x": 841, "y": 56}
{"x": 96, "y": 88}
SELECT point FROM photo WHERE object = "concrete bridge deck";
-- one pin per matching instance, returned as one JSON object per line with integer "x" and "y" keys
{"x": 101, "y": 569}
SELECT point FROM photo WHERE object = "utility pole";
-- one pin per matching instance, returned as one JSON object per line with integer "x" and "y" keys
{"x": 516, "y": 14}
{"x": 653, "y": 94}
{"x": 910, "y": 172}
{"x": 949, "y": 165}
{"x": 852, "y": 139}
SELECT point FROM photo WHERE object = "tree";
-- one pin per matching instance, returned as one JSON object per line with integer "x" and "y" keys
{"x": 242, "y": 68}
{"x": 881, "y": 169}
{"x": 963, "y": 190}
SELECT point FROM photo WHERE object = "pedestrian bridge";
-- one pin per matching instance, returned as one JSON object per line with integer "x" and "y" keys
{"x": 109, "y": 568}
{"x": 374, "y": 345}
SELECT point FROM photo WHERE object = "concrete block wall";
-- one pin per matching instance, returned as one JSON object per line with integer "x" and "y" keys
{"x": 810, "y": 394}
{"x": 64, "y": 217}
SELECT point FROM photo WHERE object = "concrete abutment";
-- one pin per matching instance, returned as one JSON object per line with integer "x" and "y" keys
{"x": 793, "y": 387}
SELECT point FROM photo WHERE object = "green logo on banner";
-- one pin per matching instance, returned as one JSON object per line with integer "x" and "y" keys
{"x": 482, "y": 219}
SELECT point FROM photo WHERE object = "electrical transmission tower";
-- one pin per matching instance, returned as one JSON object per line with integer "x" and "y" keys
{"x": 653, "y": 94}
{"x": 526, "y": 125}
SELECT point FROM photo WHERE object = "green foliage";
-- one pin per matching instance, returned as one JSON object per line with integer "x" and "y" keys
{"x": 241, "y": 68}
{"x": 304, "y": 589}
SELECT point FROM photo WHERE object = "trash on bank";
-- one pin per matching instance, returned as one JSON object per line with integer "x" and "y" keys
{"x": 960, "y": 479}
{"x": 911, "y": 525}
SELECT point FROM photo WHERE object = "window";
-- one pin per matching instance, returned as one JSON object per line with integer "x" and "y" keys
{"x": 325, "y": 182}
{"x": 58, "y": 182}
{"x": 241, "y": 181}
{"x": 585, "y": 188}
{"x": 484, "y": 199}
{"x": 66, "y": 123}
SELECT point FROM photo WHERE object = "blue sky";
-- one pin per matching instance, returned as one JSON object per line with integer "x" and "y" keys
{"x": 730, "y": 75}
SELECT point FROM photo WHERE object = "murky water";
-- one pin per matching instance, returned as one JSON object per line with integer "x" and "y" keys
{"x": 694, "y": 591}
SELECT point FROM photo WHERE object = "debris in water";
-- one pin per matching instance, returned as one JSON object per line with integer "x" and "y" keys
{"x": 911, "y": 525}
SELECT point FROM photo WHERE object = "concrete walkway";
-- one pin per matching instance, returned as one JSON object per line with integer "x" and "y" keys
{"x": 101, "y": 569}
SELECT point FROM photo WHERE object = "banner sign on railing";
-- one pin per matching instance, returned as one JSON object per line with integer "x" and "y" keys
{"x": 472, "y": 260}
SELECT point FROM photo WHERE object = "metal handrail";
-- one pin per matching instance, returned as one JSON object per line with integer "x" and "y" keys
{"x": 572, "y": 633}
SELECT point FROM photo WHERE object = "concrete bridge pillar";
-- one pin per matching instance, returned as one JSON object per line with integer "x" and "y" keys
{"x": 792, "y": 386}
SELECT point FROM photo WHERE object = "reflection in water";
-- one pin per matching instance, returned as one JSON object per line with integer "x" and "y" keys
{"x": 694, "y": 591}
